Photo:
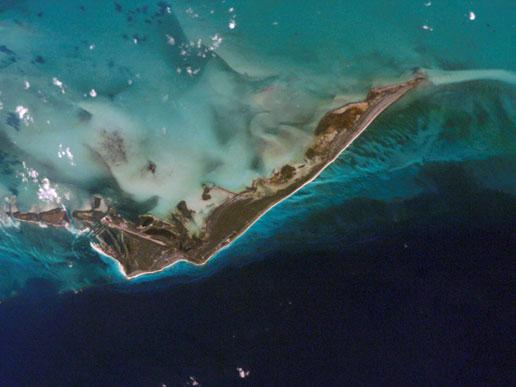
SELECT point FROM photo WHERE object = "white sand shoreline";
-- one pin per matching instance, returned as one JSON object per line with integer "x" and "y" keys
{"x": 377, "y": 110}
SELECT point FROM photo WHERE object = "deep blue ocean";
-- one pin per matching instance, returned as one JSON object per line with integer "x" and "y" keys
{"x": 394, "y": 267}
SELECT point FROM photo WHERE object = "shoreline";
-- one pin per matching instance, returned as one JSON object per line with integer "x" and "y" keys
{"x": 225, "y": 246}
{"x": 154, "y": 245}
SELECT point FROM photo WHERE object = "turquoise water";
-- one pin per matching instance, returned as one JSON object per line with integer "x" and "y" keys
{"x": 223, "y": 92}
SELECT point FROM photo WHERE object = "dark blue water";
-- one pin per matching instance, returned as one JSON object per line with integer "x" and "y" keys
{"x": 394, "y": 267}
{"x": 421, "y": 302}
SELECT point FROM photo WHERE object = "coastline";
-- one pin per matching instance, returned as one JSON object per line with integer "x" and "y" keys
{"x": 154, "y": 245}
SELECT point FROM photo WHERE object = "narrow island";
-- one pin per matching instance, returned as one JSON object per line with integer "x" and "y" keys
{"x": 152, "y": 244}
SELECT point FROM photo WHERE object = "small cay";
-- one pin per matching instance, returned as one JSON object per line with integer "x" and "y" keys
{"x": 151, "y": 244}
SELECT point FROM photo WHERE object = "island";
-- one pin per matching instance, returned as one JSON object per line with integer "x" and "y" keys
{"x": 150, "y": 244}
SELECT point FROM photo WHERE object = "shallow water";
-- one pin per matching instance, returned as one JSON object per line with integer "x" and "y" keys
{"x": 393, "y": 265}
{"x": 226, "y": 91}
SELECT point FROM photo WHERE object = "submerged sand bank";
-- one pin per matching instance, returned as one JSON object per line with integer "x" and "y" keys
{"x": 151, "y": 244}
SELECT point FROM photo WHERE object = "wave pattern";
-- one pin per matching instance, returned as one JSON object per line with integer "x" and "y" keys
{"x": 93, "y": 95}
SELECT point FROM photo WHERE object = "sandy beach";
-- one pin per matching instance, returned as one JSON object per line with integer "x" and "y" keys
{"x": 237, "y": 214}
{"x": 153, "y": 244}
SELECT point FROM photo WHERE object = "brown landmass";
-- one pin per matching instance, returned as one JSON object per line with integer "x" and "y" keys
{"x": 152, "y": 244}
{"x": 55, "y": 217}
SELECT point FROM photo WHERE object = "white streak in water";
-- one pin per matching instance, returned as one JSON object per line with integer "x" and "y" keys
{"x": 441, "y": 77}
